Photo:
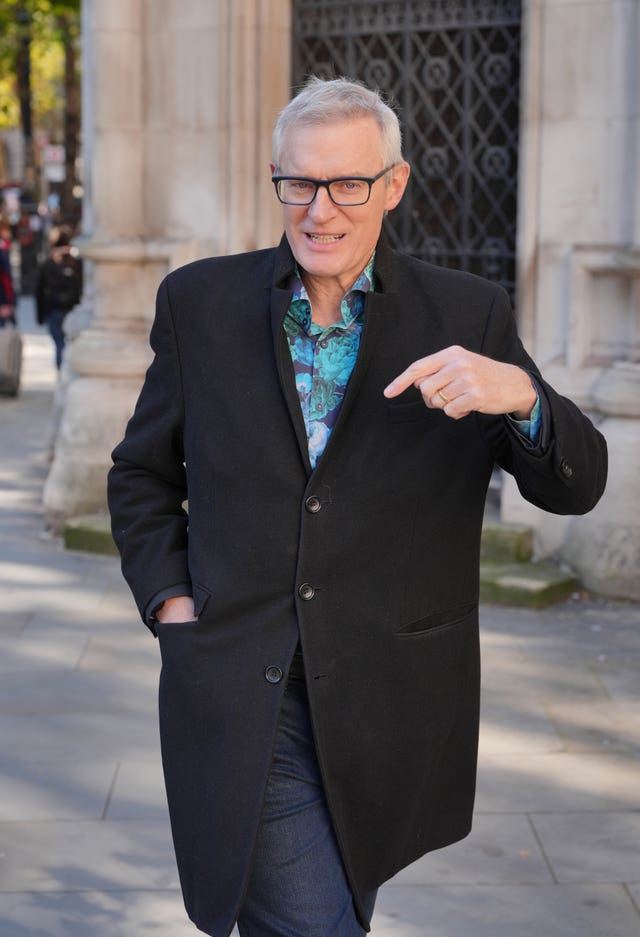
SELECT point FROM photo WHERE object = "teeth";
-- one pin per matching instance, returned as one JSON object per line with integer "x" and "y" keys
{"x": 325, "y": 238}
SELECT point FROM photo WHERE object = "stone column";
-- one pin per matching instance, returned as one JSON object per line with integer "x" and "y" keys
{"x": 106, "y": 359}
{"x": 579, "y": 241}
{"x": 179, "y": 101}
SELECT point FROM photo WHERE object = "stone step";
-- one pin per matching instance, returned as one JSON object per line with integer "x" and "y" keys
{"x": 505, "y": 543}
{"x": 89, "y": 532}
{"x": 526, "y": 585}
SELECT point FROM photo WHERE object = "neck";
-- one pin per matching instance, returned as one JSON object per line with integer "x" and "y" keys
{"x": 325, "y": 297}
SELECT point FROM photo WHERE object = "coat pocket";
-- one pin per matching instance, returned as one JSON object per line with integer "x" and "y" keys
{"x": 408, "y": 412}
{"x": 437, "y": 621}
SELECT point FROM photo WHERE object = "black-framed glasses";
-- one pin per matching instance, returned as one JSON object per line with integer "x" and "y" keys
{"x": 343, "y": 191}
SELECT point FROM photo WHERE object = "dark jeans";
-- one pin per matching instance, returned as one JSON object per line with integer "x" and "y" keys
{"x": 54, "y": 321}
{"x": 298, "y": 886}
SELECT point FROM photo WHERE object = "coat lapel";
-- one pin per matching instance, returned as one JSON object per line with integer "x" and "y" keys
{"x": 377, "y": 310}
{"x": 376, "y": 307}
{"x": 280, "y": 299}
{"x": 378, "y": 313}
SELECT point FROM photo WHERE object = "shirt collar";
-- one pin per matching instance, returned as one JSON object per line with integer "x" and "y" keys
{"x": 352, "y": 304}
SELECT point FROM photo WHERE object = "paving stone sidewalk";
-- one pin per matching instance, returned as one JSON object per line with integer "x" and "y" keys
{"x": 84, "y": 839}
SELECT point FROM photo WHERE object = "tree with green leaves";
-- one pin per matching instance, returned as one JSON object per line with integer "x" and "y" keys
{"x": 39, "y": 78}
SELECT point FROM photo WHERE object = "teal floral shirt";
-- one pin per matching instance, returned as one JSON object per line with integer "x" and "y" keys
{"x": 323, "y": 358}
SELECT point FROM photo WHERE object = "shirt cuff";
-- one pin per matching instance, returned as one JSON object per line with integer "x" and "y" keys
{"x": 181, "y": 588}
{"x": 529, "y": 429}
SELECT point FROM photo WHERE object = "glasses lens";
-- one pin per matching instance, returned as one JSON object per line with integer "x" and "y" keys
{"x": 296, "y": 191}
{"x": 349, "y": 191}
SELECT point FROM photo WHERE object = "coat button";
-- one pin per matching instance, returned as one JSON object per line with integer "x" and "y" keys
{"x": 313, "y": 504}
{"x": 273, "y": 674}
{"x": 566, "y": 469}
{"x": 306, "y": 591}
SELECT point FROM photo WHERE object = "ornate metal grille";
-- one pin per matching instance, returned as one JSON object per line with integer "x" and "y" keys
{"x": 452, "y": 67}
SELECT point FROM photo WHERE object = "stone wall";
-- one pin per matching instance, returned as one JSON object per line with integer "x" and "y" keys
{"x": 579, "y": 259}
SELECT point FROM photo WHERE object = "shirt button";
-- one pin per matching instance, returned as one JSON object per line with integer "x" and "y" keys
{"x": 273, "y": 674}
{"x": 313, "y": 504}
{"x": 306, "y": 591}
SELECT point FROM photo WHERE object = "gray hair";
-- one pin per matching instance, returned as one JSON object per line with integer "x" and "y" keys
{"x": 323, "y": 102}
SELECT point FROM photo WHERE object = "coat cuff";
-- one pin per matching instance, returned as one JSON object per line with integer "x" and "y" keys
{"x": 180, "y": 588}
{"x": 534, "y": 432}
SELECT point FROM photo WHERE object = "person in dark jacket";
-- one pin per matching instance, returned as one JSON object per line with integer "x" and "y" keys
{"x": 58, "y": 287}
{"x": 332, "y": 411}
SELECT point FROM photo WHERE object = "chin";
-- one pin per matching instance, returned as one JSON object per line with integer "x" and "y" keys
{"x": 321, "y": 266}
{"x": 315, "y": 269}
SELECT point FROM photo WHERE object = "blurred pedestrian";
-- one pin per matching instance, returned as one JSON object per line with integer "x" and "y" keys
{"x": 26, "y": 237}
{"x": 58, "y": 287}
{"x": 7, "y": 292}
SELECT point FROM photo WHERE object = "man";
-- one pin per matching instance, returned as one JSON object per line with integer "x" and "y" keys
{"x": 332, "y": 411}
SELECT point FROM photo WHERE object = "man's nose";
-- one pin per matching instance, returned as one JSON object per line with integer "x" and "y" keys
{"x": 321, "y": 206}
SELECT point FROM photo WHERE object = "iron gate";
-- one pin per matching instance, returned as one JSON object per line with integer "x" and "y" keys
{"x": 452, "y": 67}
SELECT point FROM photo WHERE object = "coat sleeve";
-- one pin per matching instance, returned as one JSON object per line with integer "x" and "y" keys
{"x": 147, "y": 486}
{"x": 567, "y": 472}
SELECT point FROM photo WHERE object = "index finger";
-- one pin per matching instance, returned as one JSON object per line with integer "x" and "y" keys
{"x": 417, "y": 371}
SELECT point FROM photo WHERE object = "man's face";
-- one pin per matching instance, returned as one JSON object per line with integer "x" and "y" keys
{"x": 331, "y": 242}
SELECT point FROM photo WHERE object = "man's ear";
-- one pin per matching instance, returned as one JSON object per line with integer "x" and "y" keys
{"x": 398, "y": 183}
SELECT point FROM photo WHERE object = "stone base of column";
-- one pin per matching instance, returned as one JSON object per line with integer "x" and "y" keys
{"x": 604, "y": 545}
{"x": 104, "y": 369}
{"x": 98, "y": 403}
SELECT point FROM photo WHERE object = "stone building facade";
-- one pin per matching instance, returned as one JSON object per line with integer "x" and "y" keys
{"x": 579, "y": 260}
{"x": 179, "y": 100}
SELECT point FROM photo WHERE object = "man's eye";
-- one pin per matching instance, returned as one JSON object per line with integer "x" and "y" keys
{"x": 350, "y": 186}
{"x": 300, "y": 186}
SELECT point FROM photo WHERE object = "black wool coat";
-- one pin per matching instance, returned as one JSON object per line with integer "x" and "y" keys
{"x": 372, "y": 559}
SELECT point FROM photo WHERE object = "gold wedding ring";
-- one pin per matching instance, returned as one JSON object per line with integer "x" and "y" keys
{"x": 443, "y": 397}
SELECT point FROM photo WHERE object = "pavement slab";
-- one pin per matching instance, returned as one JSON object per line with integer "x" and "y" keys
{"x": 500, "y": 850}
{"x": 557, "y": 782}
{"x": 516, "y": 725}
{"x": 606, "y": 725}
{"x": 509, "y": 672}
{"x": 79, "y": 691}
{"x": 120, "y": 653}
{"x": 86, "y": 855}
{"x": 634, "y": 893}
{"x": 55, "y": 791}
{"x": 69, "y": 623}
{"x": 138, "y": 791}
{"x": 77, "y": 737}
{"x": 591, "y": 847}
{"x": 517, "y": 911}
{"x": 85, "y": 845}
{"x": 84, "y": 914}
{"x": 24, "y": 656}
{"x": 13, "y": 623}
